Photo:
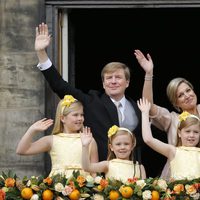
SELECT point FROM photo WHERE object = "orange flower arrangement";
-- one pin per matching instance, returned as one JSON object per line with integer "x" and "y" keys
{"x": 10, "y": 182}
{"x": 178, "y": 188}
{"x": 80, "y": 187}
{"x": 48, "y": 180}
{"x": 2, "y": 194}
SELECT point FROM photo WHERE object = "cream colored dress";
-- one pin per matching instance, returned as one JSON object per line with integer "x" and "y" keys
{"x": 167, "y": 121}
{"x": 122, "y": 170}
{"x": 186, "y": 163}
{"x": 66, "y": 154}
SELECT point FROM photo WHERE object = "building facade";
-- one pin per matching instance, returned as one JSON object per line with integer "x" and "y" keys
{"x": 78, "y": 29}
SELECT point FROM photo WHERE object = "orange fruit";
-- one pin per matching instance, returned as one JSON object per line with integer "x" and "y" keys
{"x": 47, "y": 195}
{"x": 113, "y": 195}
{"x": 75, "y": 195}
{"x": 26, "y": 193}
{"x": 155, "y": 195}
{"x": 126, "y": 191}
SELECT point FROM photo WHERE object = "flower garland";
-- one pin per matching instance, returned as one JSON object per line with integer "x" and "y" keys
{"x": 78, "y": 187}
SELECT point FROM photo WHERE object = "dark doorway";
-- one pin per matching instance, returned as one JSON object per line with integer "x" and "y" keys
{"x": 170, "y": 35}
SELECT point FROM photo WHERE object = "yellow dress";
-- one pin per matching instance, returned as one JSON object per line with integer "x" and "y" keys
{"x": 122, "y": 170}
{"x": 186, "y": 163}
{"x": 66, "y": 154}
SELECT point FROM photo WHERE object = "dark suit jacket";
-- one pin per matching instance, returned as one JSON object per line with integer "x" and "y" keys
{"x": 99, "y": 111}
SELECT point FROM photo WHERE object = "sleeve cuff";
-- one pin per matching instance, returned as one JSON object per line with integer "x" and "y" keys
{"x": 46, "y": 65}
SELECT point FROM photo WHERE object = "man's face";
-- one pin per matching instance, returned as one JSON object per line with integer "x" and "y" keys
{"x": 115, "y": 84}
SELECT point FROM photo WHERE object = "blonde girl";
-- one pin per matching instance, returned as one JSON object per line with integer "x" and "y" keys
{"x": 64, "y": 145}
{"x": 184, "y": 158}
{"x": 119, "y": 164}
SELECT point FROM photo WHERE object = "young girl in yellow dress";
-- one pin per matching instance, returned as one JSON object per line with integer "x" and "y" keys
{"x": 119, "y": 164}
{"x": 185, "y": 156}
{"x": 64, "y": 145}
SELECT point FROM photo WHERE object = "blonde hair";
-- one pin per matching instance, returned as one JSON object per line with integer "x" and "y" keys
{"x": 172, "y": 90}
{"x": 120, "y": 131}
{"x": 113, "y": 66}
{"x": 64, "y": 111}
{"x": 189, "y": 121}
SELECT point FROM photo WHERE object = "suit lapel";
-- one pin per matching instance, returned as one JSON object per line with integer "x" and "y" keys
{"x": 110, "y": 108}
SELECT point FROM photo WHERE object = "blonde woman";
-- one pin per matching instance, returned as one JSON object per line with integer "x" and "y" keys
{"x": 181, "y": 95}
{"x": 64, "y": 145}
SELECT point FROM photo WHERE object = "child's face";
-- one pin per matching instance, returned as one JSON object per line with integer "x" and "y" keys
{"x": 73, "y": 122}
{"x": 190, "y": 135}
{"x": 122, "y": 146}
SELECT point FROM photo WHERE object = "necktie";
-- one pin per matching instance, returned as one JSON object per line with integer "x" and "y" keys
{"x": 118, "y": 105}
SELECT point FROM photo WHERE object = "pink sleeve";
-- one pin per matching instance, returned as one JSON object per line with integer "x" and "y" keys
{"x": 162, "y": 120}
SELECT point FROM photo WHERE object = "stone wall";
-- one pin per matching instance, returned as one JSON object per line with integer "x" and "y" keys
{"x": 22, "y": 99}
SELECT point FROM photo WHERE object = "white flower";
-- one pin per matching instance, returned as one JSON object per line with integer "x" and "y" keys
{"x": 98, "y": 197}
{"x": 195, "y": 196}
{"x": 59, "y": 187}
{"x": 28, "y": 183}
{"x": 162, "y": 184}
{"x": 34, "y": 197}
{"x": 190, "y": 189}
{"x": 97, "y": 179}
{"x": 141, "y": 183}
{"x": 146, "y": 195}
{"x": 89, "y": 179}
{"x": 5, "y": 189}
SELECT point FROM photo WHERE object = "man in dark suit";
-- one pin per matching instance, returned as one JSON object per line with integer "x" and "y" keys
{"x": 100, "y": 111}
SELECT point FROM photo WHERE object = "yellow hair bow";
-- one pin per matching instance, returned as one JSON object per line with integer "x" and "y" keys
{"x": 113, "y": 130}
{"x": 68, "y": 100}
{"x": 184, "y": 115}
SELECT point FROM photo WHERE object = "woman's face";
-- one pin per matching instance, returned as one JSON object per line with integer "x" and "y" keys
{"x": 186, "y": 98}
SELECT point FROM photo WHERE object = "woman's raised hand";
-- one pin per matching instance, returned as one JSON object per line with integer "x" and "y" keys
{"x": 145, "y": 62}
